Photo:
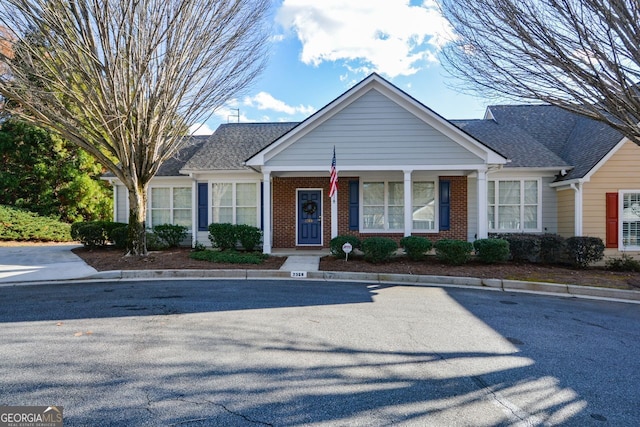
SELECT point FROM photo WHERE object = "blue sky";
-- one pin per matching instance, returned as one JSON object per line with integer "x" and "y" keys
{"x": 322, "y": 48}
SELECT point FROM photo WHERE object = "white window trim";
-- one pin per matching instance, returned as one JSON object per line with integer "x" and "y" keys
{"x": 171, "y": 208}
{"x": 621, "y": 246}
{"x": 538, "y": 229}
{"x": 234, "y": 201}
{"x": 386, "y": 181}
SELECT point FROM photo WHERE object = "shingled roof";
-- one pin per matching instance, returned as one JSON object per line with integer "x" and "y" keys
{"x": 232, "y": 143}
{"x": 544, "y": 136}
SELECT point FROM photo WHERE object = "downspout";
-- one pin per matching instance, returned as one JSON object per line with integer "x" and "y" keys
{"x": 577, "y": 208}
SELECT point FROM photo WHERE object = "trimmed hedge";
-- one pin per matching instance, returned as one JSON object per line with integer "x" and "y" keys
{"x": 454, "y": 252}
{"x": 226, "y": 236}
{"x": 378, "y": 249}
{"x": 492, "y": 251}
{"x": 416, "y": 247}
{"x": 22, "y": 225}
{"x": 583, "y": 251}
{"x": 172, "y": 234}
{"x": 248, "y": 236}
{"x": 335, "y": 246}
{"x": 98, "y": 233}
{"x": 223, "y": 236}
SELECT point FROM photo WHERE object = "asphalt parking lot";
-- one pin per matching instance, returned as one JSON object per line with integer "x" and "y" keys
{"x": 285, "y": 353}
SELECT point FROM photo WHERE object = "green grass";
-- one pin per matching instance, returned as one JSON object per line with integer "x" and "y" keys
{"x": 22, "y": 225}
{"x": 229, "y": 256}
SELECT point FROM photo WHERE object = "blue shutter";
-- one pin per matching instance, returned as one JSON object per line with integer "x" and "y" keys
{"x": 203, "y": 206}
{"x": 354, "y": 205}
{"x": 445, "y": 205}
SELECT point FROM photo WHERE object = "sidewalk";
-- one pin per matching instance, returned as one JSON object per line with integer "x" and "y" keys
{"x": 49, "y": 263}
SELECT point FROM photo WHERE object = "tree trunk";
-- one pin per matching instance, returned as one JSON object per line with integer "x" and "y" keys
{"x": 137, "y": 241}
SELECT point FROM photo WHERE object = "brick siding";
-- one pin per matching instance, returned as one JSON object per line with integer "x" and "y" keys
{"x": 284, "y": 210}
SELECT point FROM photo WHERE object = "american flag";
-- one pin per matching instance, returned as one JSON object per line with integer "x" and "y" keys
{"x": 333, "y": 188}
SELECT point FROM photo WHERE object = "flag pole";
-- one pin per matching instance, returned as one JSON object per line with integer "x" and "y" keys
{"x": 333, "y": 193}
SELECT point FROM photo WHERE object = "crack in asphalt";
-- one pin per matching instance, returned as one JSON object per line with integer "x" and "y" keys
{"x": 220, "y": 405}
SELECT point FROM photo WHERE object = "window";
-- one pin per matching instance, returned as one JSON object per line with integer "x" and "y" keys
{"x": 630, "y": 219}
{"x": 235, "y": 203}
{"x": 513, "y": 205}
{"x": 171, "y": 205}
{"x": 424, "y": 201}
{"x": 383, "y": 206}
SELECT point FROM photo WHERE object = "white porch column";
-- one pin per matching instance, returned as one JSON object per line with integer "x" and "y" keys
{"x": 334, "y": 215}
{"x": 266, "y": 212}
{"x": 408, "y": 203}
{"x": 577, "y": 209}
{"x": 483, "y": 226}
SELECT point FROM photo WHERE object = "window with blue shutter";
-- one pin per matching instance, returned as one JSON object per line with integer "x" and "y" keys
{"x": 445, "y": 205}
{"x": 203, "y": 207}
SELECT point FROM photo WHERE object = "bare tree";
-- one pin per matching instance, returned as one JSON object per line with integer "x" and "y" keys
{"x": 122, "y": 78}
{"x": 581, "y": 55}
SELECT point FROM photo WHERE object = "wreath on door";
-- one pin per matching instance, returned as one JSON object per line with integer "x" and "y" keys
{"x": 309, "y": 207}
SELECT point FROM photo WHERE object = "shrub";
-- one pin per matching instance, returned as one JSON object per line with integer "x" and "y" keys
{"x": 337, "y": 242}
{"x": 248, "y": 236}
{"x": 625, "y": 263}
{"x": 231, "y": 257}
{"x": 172, "y": 234}
{"x": 198, "y": 247}
{"x": 492, "y": 251}
{"x": 378, "y": 249}
{"x": 22, "y": 225}
{"x": 120, "y": 236}
{"x": 454, "y": 252}
{"x": 416, "y": 247}
{"x": 552, "y": 248}
{"x": 523, "y": 247}
{"x": 583, "y": 251}
{"x": 223, "y": 236}
{"x": 92, "y": 234}
{"x": 154, "y": 242}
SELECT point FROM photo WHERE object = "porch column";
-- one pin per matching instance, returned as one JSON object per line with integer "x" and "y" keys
{"x": 266, "y": 212}
{"x": 483, "y": 208}
{"x": 334, "y": 215}
{"x": 577, "y": 209}
{"x": 408, "y": 203}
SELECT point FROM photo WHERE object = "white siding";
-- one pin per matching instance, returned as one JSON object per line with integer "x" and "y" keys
{"x": 121, "y": 204}
{"x": 374, "y": 131}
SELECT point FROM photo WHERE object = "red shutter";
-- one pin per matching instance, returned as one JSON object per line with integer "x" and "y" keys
{"x": 612, "y": 220}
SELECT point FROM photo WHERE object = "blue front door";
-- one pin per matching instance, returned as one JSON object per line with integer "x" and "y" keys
{"x": 309, "y": 217}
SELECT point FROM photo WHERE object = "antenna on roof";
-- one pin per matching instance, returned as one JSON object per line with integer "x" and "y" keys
{"x": 237, "y": 115}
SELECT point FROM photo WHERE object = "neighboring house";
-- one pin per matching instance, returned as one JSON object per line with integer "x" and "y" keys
{"x": 404, "y": 170}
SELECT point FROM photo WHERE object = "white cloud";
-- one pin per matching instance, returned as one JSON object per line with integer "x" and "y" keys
{"x": 200, "y": 129}
{"x": 392, "y": 37}
{"x": 265, "y": 101}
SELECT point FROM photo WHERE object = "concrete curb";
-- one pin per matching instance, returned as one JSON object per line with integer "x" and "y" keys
{"x": 556, "y": 289}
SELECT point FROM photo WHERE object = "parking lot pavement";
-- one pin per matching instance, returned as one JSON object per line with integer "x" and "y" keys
{"x": 28, "y": 263}
{"x": 288, "y": 353}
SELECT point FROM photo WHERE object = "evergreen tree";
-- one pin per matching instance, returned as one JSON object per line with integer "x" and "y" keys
{"x": 44, "y": 173}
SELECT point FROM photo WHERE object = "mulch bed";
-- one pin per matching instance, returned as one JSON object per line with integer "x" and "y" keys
{"x": 104, "y": 259}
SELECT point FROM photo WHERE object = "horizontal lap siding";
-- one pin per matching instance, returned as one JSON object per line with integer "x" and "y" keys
{"x": 373, "y": 131}
{"x": 121, "y": 204}
{"x": 620, "y": 172}
{"x": 566, "y": 218}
